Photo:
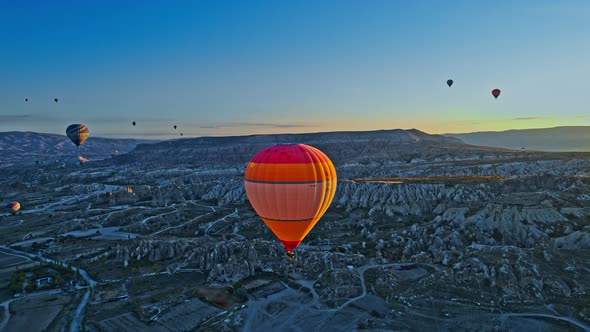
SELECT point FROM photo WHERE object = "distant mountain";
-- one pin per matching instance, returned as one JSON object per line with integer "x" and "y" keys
{"x": 574, "y": 139}
{"x": 341, "y": 147}
{"x": 18, "y": 146}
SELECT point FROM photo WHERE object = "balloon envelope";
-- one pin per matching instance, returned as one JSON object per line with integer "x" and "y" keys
{"x": 77, "y": 133}
{"x": 133, "y": 123}
{"x": 496, "y": 93}
{"x": 449, "y": 83}
{"x": 290, "y": 187}
{"x": 56, "y": 100}
{"x": 13, "y": 207}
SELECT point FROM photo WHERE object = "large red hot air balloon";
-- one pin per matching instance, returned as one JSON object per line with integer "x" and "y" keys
{"x": 290, "y": 187}
{"x": 496, "y": 93}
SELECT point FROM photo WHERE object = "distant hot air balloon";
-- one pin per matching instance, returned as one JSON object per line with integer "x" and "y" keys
{"x": 13, "y": 207}
{"x": 290, "y": 187}
{"x": 116, "y": 152}
{"x": 133, "y": 123}
{"x": 496, "y": 93}
{"x": 27, "y": 99}
{"x": 174, "y": 127}
{"x": 78, "y": 133}
{"x": 181, "y": 134}
{"x": 55, "y": 100}
{"x": 449, "y": 83}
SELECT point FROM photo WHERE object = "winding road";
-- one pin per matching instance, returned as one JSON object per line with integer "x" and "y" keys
{"x": 79, "y": 313}
{"x": 259, "y": 319}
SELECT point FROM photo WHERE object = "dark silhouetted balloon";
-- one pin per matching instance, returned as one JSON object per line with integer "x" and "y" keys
{"x": 133, "y": 123}
{"x": 181, "y": 134}
{"x": 77, "y": 133}
{"x": 56, "y": 100}
{"x": 26, "y": 99}
{"x": 174, "y": 127}
{"x": 496, "y": 93}
{"x": 449, "y": 83}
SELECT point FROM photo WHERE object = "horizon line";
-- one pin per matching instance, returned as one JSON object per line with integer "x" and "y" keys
{"x": 291, "y": 133}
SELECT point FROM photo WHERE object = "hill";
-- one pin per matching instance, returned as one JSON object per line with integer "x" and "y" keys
{"x": 18, "y": 146}
{"x": 341, "y": 147}
{"x": 558, "y": 139}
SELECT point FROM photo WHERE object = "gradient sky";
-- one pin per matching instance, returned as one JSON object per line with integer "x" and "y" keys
{"x": 241, "y": 67}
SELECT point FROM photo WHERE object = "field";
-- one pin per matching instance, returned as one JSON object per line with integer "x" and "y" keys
{"x": 44, "y": 308}
{"x": 8, "y": 265}
{"x": 183, "y": 317}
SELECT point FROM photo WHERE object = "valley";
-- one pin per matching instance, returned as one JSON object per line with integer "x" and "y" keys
{"x": 422, "y": 234}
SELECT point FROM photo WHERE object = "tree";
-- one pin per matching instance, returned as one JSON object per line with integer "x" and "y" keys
{"x": 156, "y": 267}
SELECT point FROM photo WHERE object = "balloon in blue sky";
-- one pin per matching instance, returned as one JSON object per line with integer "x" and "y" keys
{"x": 241, "y": 67}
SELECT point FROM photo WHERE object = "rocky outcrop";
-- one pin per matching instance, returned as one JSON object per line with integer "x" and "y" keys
{"x": 575, "y": 240}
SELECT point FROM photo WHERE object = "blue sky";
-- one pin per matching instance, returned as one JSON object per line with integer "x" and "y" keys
{"x": 242, "y": 67}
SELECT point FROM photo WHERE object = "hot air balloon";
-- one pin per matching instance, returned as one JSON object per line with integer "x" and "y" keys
{"x": 55, "y": 100}
{"x": 449, "y": 83}
{"x": 13, "y": 207}
{"x": 26, "y": 99}
{"x": 496, "y": 93}
{"x": 133, "y": 123}
{"x": 174, "y": 127}
{"x": 78, "y": 133}
{"x": 181, "y": 134}
{"x": 116, "y": 152}
{"x": 290, "y": 187}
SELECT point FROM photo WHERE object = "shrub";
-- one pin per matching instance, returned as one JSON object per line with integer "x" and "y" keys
{"x": 497, "y": 235}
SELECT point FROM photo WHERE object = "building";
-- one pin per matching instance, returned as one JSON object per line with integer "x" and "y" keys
{"x": 44, "y": 281}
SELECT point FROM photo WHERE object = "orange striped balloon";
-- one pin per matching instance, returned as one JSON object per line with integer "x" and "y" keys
{"x": 290, "y": 187}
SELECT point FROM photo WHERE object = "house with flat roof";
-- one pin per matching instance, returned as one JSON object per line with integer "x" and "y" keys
{"x": 44, "y": 281}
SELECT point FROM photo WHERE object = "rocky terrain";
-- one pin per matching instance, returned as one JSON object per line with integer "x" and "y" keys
{"x": 424, "y": 232}
{"x": 18, "y": 147}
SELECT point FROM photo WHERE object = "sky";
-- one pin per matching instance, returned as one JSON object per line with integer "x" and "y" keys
{"x": 255, "y": 67}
